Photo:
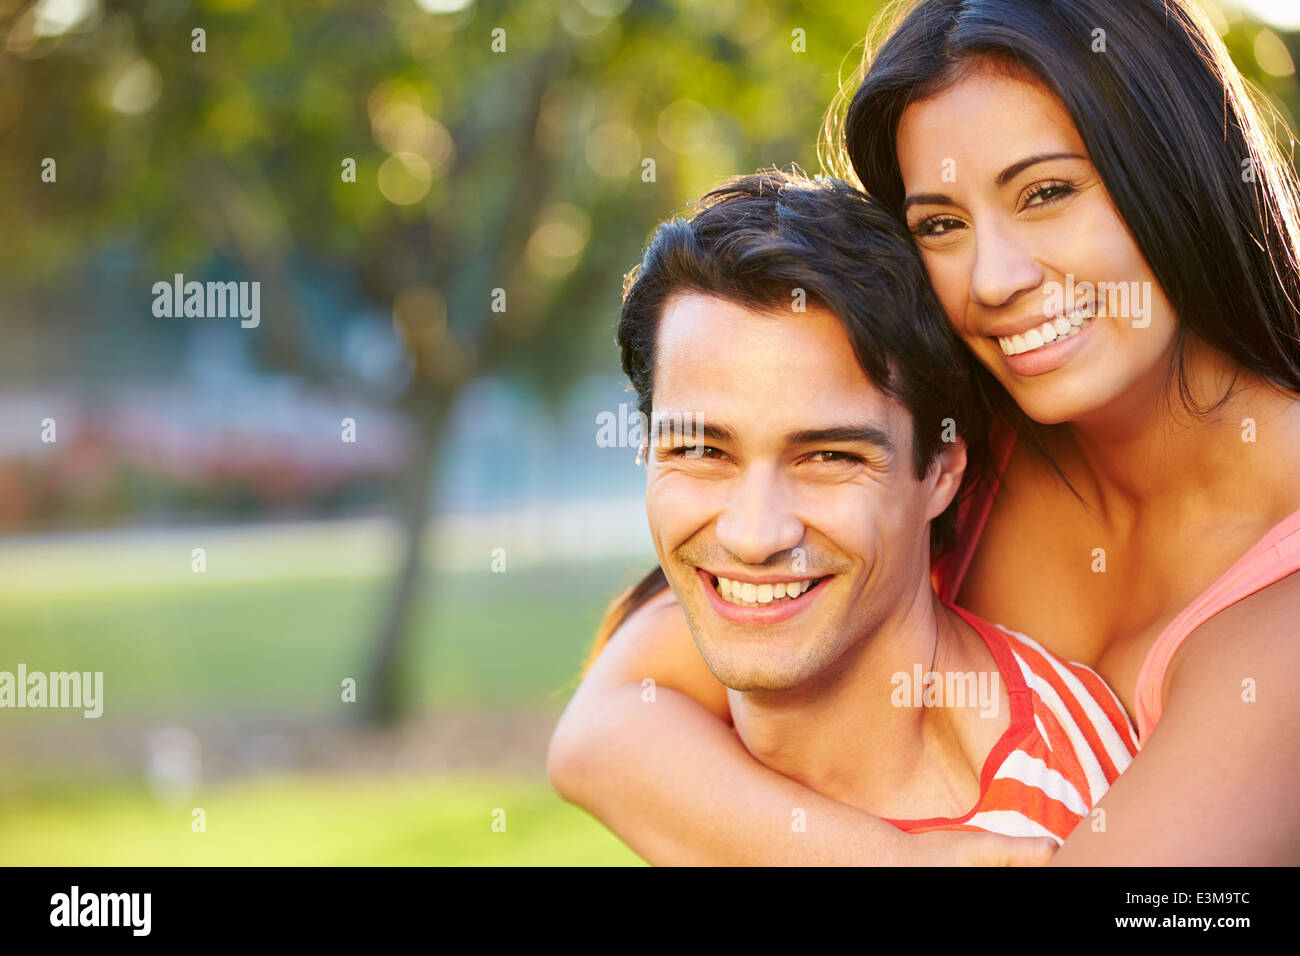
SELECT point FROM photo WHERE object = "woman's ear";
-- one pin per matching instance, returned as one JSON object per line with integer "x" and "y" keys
{"x": 945, "y": 476}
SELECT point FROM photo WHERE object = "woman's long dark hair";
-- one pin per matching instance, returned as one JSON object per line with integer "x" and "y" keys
{"x": 1175, "y": 132}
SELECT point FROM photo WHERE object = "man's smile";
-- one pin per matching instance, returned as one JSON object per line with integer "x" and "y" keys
{"x": 754, "y": 602}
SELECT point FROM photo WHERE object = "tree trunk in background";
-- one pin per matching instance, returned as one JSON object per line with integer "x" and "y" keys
{"x": 385, "y": 695}
{"x": 429, "y": 404}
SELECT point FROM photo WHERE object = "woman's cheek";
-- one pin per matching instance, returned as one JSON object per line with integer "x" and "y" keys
{"x": 950, "y": 286}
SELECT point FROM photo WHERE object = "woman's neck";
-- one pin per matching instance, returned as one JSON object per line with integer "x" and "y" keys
{"x": 1148, "y": 449}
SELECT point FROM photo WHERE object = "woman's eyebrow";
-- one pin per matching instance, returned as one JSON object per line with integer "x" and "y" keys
{"x": 1004, "y": 177}
{"x": 1015, "y": 169}
{"x": 927, "y": 199}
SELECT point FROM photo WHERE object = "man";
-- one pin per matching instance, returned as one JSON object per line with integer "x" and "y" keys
{"x": 820, "y": 424}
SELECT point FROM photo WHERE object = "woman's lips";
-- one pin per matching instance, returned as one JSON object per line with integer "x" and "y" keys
{"x": 1049, "y": 357}
{"x": 760, "y": 614}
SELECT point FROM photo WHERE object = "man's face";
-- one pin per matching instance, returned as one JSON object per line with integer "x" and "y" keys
{"x": 805, "y": 478}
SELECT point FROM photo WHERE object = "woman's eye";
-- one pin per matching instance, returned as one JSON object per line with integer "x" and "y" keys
{"x": 936, "y": 226}
{"x": 1047, "y": 192}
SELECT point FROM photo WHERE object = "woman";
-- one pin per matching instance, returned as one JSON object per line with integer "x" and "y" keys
{"x": 1111, "y": 231}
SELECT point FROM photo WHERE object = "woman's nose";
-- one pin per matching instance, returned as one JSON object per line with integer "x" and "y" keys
{"x": 1004, "y": 266}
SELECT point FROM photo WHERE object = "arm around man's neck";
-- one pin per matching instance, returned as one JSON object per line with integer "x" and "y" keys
{"x": 670, "y": 778}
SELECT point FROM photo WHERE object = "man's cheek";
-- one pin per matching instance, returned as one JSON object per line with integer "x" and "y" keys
{"x": 671, "y": 525}
{"x": 682, "y": 501}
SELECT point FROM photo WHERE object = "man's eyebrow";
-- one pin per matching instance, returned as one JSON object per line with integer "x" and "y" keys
{"x": 672, "y": 426}
{"x": 835, "y": 434}
{"x": 1004, "y": 177}
{"x": 866, "y": 434}
{"x": 709, "y": 430}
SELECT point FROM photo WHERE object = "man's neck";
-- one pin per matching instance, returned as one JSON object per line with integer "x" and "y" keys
{"x": 854, "y": 734}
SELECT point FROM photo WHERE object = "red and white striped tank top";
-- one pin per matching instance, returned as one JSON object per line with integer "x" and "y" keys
{"x": 1068, "y": 741}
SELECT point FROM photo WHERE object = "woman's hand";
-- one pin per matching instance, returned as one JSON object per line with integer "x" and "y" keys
{"x": 971, "y": 848}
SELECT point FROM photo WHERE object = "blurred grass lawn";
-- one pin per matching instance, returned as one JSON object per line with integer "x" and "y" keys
{"x": 310, "y": 821}
{"x": 187, "y": 647}
{"x": 284, "y": 645}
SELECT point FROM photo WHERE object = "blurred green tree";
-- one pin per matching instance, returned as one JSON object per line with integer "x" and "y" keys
{"x": 510, "y": 160}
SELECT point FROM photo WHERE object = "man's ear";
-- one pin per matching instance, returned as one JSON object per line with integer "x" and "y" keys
{"x": 945, "y": 476}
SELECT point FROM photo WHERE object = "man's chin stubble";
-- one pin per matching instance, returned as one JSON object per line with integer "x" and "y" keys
{"x": 746, "y": 675}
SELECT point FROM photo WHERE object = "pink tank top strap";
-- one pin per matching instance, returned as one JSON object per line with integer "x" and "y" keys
{"x": 1272, "y": 558}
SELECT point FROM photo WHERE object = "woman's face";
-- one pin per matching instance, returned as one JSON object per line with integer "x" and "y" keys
{"x": 1030, "y": 258}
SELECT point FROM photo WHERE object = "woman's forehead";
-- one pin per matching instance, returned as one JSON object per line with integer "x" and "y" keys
{"x": 985, "y": 115}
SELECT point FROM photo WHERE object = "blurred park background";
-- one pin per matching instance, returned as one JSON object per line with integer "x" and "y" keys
{"x": 453, "y": 300}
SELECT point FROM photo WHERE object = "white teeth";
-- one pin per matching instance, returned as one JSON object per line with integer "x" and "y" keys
{"x": 1062, "y": 327}
{"x": 740, "y": 592}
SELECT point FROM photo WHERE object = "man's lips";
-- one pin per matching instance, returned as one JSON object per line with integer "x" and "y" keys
{"x": 760, "y": 614}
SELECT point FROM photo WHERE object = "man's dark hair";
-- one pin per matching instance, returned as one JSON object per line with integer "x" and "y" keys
{"x": 757, "y": 239}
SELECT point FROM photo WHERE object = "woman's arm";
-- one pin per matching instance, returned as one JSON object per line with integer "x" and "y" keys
{"x": 666, "y": 773}
{"x": 1216, "y": 783}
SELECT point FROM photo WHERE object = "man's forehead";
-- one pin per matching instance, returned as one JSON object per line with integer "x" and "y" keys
{"x": 689, "y": 316}
{"x": 722, "y": 361}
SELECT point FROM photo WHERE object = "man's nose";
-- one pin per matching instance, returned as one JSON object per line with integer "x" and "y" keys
{"x": 759, "y": 520}
{"x": 1003, "y": 265}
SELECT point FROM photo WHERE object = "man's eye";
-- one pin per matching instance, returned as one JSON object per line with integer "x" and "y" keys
{"x": 836, "y": 456}
{"x": 695, "y": 451}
